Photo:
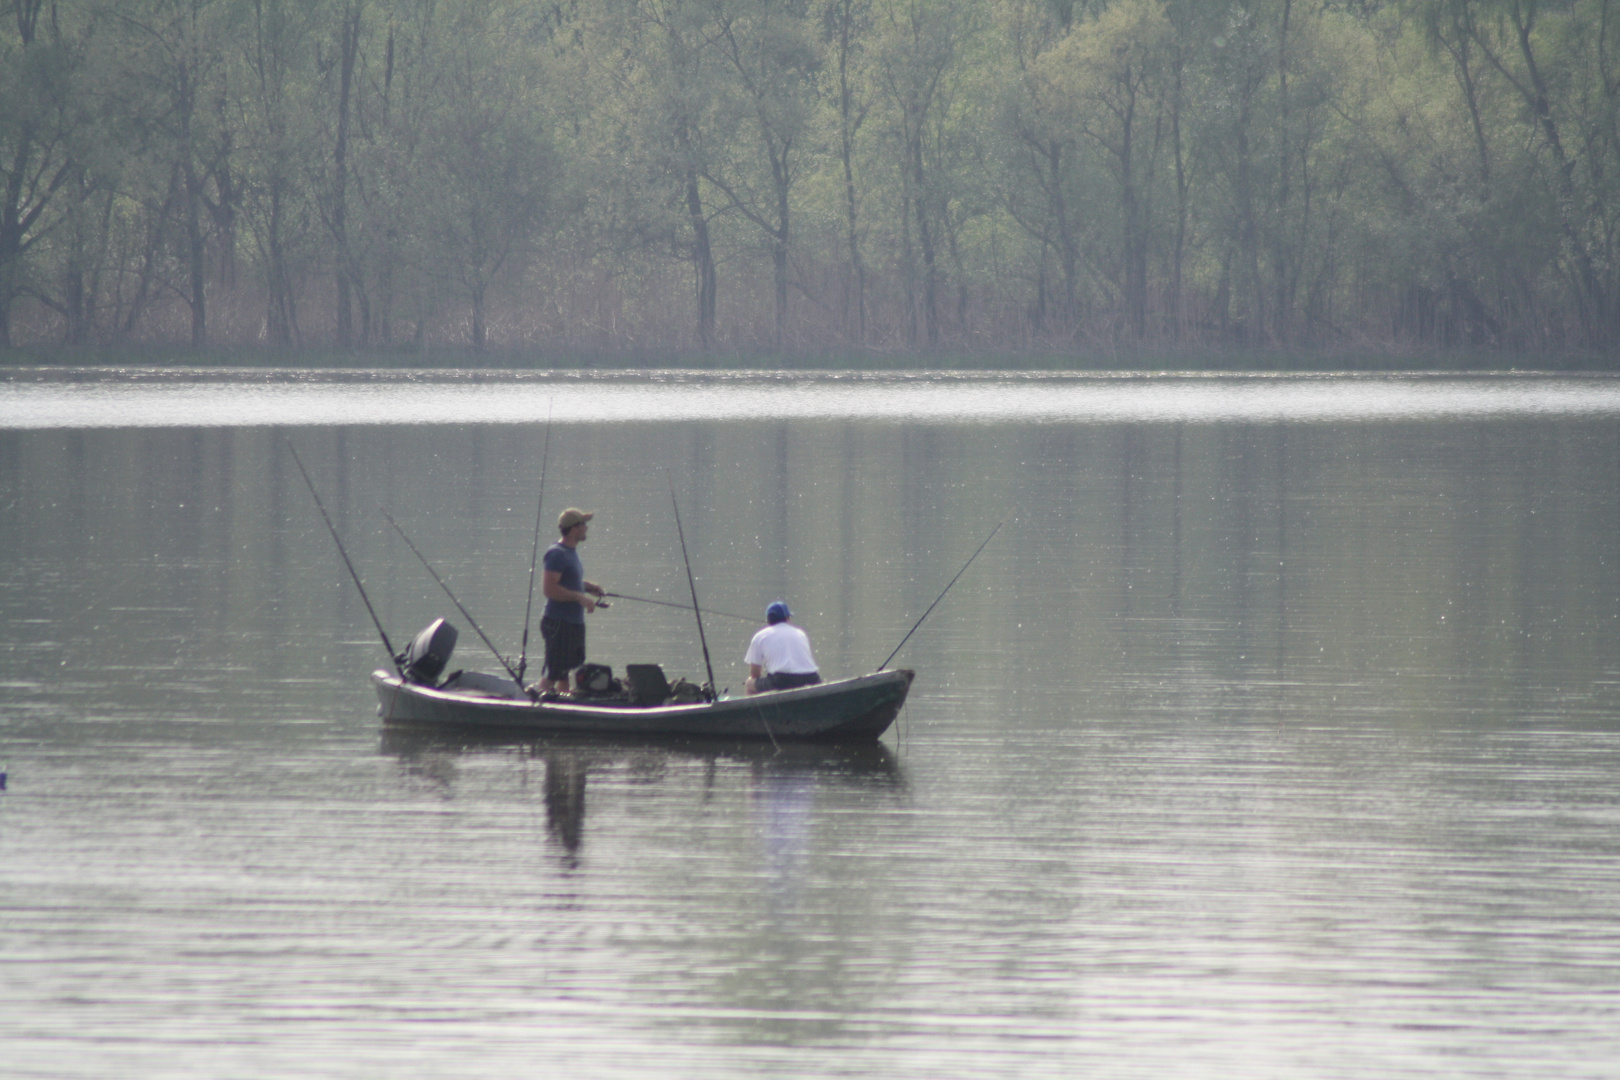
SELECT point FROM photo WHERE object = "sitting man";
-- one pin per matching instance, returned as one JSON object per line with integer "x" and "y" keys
{"x": 779, "y": 656}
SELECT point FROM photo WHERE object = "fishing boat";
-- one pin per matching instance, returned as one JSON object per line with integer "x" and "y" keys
{"x": 853, "y": 710}
{"x": 643, "y": 704}
{"x": 859, "y": 709}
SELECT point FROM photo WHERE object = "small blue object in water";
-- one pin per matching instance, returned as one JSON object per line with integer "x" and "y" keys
{"x": 2, "y": 781}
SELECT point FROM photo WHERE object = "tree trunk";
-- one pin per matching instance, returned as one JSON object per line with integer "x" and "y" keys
{"x": 1280, "y": 252}
{"x": 1068, "y": 249}
{"x": 908, "y": 259}
{"x": 847, "y": 125}
{"x": 1135, "y": 248}
{"x": 77, "y": 298}
{"x": 1178, "y": 255}
{"x": 11, "y": 244}
{"x": 281, "y": 318}
{"x": 1254, "y": 314}
{"x": 196, "y": 263}
{"x": 1594, "y": 306}
{"x": 149, "y": 256}
{"x": 856, "y": 266}
{"x": 781, "y": 235}
{"x": 779, "y": 257}
{"x": 702, "y": 261}
{"x": 925, "y": 239}
{"x": 348, "y": 49}
{"x": 191, "y": 189}
{"x": 1037, "y": 315}
{"x": 1459, "y": 51}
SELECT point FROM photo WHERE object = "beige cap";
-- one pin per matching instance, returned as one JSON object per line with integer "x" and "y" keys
{"x": 573, "y": 516}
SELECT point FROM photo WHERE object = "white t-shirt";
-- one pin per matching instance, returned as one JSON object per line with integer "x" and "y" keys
{"x": 781, "y": 648}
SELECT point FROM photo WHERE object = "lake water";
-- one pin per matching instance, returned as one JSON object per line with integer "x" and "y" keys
{"x": 1275, "y": 734}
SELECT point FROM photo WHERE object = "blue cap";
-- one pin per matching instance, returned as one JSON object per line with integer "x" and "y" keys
{"x": 777, "y": 612}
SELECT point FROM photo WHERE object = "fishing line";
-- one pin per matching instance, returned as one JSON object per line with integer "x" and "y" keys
{"x": 696, "y": 610}
{"x": 392, "y": 656}
{"x": 941, "y": 596}
{"x": 473, "y": 622}
{"x": 679, "y": 607}
{"x": 528, "y": 607}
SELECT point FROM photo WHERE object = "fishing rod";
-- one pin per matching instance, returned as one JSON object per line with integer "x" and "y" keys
{"x": 528, "y": 607}
{"x": 681, "y": 607}
{"x": 392, "y": 656}
{"x": 941, "y": 596}
{"x": 696, "y": 610}
{"x": 474, "y": 623}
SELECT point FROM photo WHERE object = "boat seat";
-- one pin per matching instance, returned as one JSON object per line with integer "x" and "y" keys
{"x": 647, "y": 684}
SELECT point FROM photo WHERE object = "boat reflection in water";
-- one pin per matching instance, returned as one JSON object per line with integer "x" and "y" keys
{"x": 781, "y": 782}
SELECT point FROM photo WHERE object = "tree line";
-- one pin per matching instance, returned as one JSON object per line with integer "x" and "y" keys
{"x": 969, "y": 175}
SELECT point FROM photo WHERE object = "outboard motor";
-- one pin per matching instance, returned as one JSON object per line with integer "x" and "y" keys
{"x": 424, "y": 658}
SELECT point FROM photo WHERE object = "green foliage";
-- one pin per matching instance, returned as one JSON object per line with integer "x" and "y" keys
{"x": 852, "y": 177}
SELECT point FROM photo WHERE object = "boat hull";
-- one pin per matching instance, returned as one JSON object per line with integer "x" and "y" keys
{"x": 848, "y": 710}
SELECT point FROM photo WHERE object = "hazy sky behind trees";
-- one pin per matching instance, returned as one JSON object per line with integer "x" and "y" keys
{"x": 965, "y": 175}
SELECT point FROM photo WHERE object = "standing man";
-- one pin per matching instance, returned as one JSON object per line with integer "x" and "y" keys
{"x": 779, "y": 656}
{"x": 568, "y": 598}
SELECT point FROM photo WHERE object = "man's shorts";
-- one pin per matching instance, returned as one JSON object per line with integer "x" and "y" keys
{"x": 565, "y": 647}
{"x": 786, "y": 680}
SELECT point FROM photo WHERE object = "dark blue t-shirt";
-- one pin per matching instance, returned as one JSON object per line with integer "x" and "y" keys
{"x": 564, "y": 560}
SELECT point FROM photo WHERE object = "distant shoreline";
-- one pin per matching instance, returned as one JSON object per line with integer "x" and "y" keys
{"x": 1139, "y": 361}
